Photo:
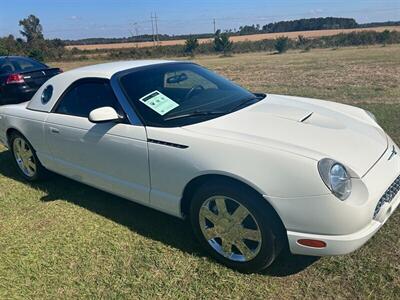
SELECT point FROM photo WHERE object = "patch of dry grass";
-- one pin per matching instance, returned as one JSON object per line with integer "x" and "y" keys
{"x": 350, "y": 75}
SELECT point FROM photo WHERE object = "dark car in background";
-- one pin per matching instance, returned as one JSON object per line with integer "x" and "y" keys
{"x": 21, "y": 77}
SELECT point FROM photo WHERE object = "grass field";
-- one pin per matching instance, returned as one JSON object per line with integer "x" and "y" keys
{"x": 240, "y": 38}
{"x": 61, "y": 239}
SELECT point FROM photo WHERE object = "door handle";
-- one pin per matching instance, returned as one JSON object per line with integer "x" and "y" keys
{"x": 54, "y": 130}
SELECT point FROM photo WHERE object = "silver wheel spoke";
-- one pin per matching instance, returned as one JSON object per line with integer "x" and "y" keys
{"x": 31, "y": 165}
{"x": 27, "y": 167}
{"x": 22, "y": 145}
{"x": 240, "y": 214}
{"x": 247, "y": 253}
{"x": 17, "y": 147}
{"x": 226, "y": 247}
{"x": 208, "y": 214}
{"x": 211, "y": 233}
{"x": 28, "y": 153}
{"x": 251, "y": 234}
{"x": 221, "y": 206}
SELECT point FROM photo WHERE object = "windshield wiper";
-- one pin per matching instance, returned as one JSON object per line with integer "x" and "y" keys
{"x": 195, "y": 114}
{"x": 246, "y": 101}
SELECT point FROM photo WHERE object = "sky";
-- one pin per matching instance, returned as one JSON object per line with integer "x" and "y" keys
{"x": 74, "y": 19}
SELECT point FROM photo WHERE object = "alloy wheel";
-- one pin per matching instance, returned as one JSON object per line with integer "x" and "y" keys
{"x": 24, "y": 157}
{"x": 230, "y": 228}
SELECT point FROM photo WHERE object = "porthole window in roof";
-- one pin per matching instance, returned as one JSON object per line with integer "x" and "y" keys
{"x": 47, "y": 93}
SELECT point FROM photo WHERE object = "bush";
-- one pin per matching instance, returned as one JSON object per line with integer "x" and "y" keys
{"x": 302, "y": 42}
{"x": 282, "y": 44}
{"x": 191, "y": 45}
{"x": 36, "y": 54}
{"x": 222, "y": 43}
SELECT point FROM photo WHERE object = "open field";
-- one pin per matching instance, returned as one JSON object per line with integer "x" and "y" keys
{"x": 240, "y": 38}
{"x": 61, "y": 239}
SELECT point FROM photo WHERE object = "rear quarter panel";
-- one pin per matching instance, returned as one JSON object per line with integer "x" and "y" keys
{"x": 28, "y": 122}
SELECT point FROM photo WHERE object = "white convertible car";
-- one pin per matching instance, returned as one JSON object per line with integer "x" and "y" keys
{"x": 253, "y": 172}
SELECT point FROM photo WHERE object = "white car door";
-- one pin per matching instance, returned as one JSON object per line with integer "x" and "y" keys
{"x": 110, "y": 156}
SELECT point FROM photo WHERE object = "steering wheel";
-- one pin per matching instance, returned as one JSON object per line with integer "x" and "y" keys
{"x": 197, "y": 87}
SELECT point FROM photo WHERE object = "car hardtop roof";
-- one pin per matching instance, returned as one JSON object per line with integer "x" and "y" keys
{"x": 107, "y": 70}
{"x": 62, "y": 81}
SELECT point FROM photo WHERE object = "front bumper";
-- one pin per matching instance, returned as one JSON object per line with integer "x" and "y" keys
{"x": 343, "y": 225}
{"x": 342, "y": 244}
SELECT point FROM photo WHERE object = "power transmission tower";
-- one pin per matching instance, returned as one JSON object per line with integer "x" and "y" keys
{"x": 137, "y": 34}
{"x": 214, "y": 25}
{"x": 156, "y": 21}
{"x": 152, "y": 28}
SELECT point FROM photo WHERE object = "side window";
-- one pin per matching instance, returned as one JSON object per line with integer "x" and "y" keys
{"x": 86, "y": 96}
{"x": 186, "y": 80}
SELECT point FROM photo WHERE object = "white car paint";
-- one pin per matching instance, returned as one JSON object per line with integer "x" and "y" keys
{"x": 273, "y": 146}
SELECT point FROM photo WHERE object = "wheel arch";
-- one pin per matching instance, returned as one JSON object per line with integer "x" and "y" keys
{"x": 10, "y": 131}
{"x": 200, "y": 180}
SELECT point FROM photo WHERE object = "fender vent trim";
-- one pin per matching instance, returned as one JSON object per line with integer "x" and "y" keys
{"x": 179, "y": 146}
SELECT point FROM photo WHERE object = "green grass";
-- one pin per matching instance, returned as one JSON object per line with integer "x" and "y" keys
{"x": 62, "y": 239}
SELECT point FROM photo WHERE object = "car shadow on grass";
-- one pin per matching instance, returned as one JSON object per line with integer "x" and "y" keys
{"x": 138, "y": 218}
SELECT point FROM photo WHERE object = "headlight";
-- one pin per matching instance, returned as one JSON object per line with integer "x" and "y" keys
{"x": 371, "y": 115}
{"x": 335, "y": 177}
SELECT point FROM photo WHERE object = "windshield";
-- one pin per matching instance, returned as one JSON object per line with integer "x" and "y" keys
{"x": 176, "y": 94}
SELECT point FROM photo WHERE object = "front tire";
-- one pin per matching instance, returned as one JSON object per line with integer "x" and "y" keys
{"x": 25, "y": 158}
{"x": 236, "y": 226}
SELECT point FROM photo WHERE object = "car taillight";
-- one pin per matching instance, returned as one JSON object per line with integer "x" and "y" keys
{"x": 15, "y": 78}
{"x": 61, "y": 70}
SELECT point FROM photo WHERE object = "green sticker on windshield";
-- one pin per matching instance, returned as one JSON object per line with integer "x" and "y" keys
{"x": 158, "y": 102}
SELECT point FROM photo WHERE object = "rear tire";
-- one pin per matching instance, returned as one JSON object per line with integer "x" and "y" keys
{"x": 25, "y": 158}
{"x": 236, "y": 226}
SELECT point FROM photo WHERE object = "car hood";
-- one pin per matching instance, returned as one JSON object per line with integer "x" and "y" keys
{"x": 308, "y": 127}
